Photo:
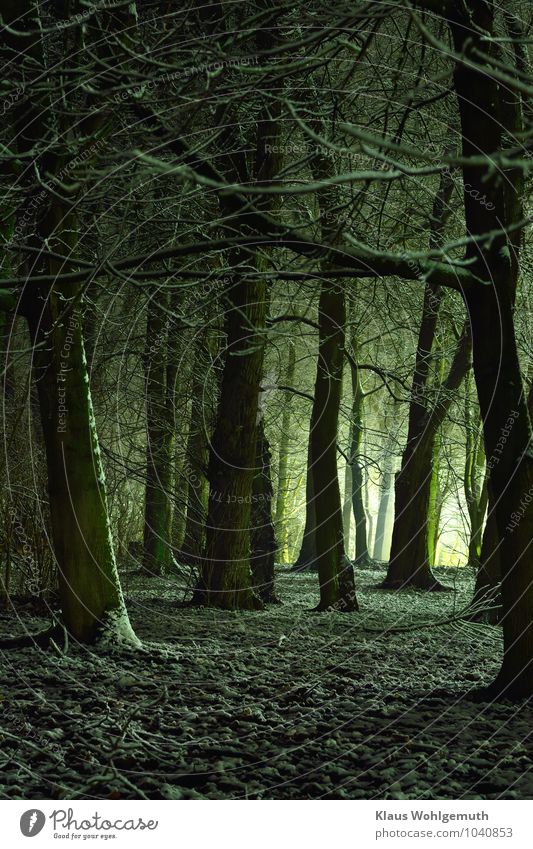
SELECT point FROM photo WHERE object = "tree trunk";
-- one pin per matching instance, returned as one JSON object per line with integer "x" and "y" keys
{"x": 92, "y": 605}
{"x": 347, "y": 505}
{"x": 386, "y": 491}
{"x": 357, "y": 428}
{"x": 476, "y": 494}
{"x": 179, "y": 509}
{"x": 307, "y": 556}
{"x": 475, "y": 538}
{"x": 91, "y": 599}
{"x": 512, "y": 485}
{"x": 369, "y": 513}
{"x": 334, "y": 570}
{"x": 263, "y": 536}
{"x": 434, "y": 506}
{"x": 491, "y": 121}
{"x": 226, "y": 575}
{"x": 197, "y": 456}
{"x": 487, "y": 601}
{"x": 159, "y": 375}
{"x": 409, "y": 566}
{"x": 283, "y": 462}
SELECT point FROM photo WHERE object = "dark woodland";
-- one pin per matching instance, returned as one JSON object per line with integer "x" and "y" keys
{"x": 266, "y": 401}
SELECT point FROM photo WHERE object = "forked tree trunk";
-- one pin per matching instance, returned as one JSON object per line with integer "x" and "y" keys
{"x": 226, "y": 576}
{"x": 409, "y": 564}
{"x": 474, "y": 478}
{"x": 476, "y": 491}
{"x": 477, "y": 515}
{"x": 491, "y": 121}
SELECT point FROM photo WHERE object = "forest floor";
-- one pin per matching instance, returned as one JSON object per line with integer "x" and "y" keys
{"x": 280, "y": 704}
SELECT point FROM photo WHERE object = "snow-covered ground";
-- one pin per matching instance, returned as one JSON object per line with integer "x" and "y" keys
{"x": 277, "y": 704}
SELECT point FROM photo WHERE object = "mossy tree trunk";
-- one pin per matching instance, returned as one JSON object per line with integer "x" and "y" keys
{"x": 89, "y": 588}
{"x": 92, "y": 605}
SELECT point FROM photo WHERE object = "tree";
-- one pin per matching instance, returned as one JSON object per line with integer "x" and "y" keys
{"x": 226, "y": 575}
{"x": 92, "y": 605}
{"x": 491, "y": 121}
{"x": 283, "y": 457}
{"x": 226, "y": 572}
{"x": 197, "y": 455}
{"x": 160, "y": 376}
{"x": 307, "y": 555}
{"x": 356, "y": 468}
{"x": 475, "y": 484}
{"x": 409, "y": 560}
{"x": 386, "y": 495}
{"x": 263, "y": 538}
{"x": 409, "y": 564}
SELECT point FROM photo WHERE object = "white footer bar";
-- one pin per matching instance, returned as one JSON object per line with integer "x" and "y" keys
{"x": 268, "y": 824}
